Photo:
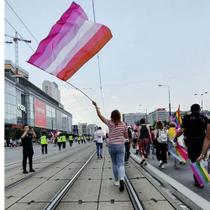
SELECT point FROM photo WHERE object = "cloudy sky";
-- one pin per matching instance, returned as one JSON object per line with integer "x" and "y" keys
{"x": 154, "y": 42}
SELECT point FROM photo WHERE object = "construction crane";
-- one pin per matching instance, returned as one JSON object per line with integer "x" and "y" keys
{"x": 16, "y": 39}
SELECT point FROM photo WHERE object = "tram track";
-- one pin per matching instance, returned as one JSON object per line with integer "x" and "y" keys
{"x": 177, "y": 199}
{"x": 95, "y": 172}
{"x": 56, "y": 200}
{"x": 58, "y": 197}
{"x": 76, "y": 156}
{"x": 9, "y": 167}
{"x": 42, "y": 169}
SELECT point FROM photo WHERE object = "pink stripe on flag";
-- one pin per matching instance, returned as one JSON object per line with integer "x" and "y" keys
{"x": 80, "y": 44}
{"x": 61, "y": 33}
{"x": 72, "y": 41}
{"x": 85, "y": 53}
{"x": 57, "y": 43}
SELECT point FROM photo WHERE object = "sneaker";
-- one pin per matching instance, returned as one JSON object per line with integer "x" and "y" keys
{"x": 142, "y": 162}
{"x": 162, "y": 165}
{"x": 121, "y": 188}
{"x": 25, "y": 172}
{"x": 116, "y": 183}
{"x": 145, "y": 163}
{"x": 32, "y": 170}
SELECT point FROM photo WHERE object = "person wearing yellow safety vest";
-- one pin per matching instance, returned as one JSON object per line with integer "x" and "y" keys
{"x": 82, "y": 139}
{"x": 59, "y": 141}
{"x": 71, "y": 140}
{"x": 44, "y": 143}
{"x": 79, "y": 139}
{"x": 63, "y": 140}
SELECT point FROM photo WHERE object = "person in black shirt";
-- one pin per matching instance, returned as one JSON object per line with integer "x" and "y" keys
{"x": 27, "y": 144}
{"x": 127, "y": 145}
{"x": 194, "y": 128}
{"x": 206, "y": 143}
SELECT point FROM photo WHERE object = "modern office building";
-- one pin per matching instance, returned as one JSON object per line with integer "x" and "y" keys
{"x": 25, "y": 103}
{"x": 133, "y": 118}
{"x": 82, "y": 129}
{"x": 159, "y": 114}
{"x": 91, "y": 129}
{"x": 51, "y": 88}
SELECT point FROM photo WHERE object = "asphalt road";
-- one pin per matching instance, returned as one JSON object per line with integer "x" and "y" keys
{"x": 182, "y": 174}
{"x": 12, "y": 155}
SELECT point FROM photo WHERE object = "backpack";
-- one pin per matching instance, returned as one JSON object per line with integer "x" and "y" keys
{"x": 162, "y": 136}
{"x": 144, "y": 133}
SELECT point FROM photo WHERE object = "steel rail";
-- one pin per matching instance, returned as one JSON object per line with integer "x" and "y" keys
{"x": 185, "y": 204}
{"x": 42, "y": 169}
{"x": 58, "y": 197}
{"x": 133, "y": 195}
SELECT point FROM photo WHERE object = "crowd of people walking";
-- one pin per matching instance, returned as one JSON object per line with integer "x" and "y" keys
{"x": 160, "y": 140}
{"x": 143, "y": 140}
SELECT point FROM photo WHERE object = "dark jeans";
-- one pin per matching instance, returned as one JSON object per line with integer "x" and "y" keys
{"x": 161, "y": 151}
{"x": 59, "y": 145}
{"x": 70, "y": 143}
{"x": 44, "y": 148}
{"x": 127, "y": 151}
{"x": 143, "y": 147}
{"x": 194, "y": 149}
{"x": 99, "y": 149}
{"x": 28, "y": 155}
{"x": 64, "y": 144}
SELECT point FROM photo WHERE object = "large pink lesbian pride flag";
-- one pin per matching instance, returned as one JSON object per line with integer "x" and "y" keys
{"x": 72, "y": 41}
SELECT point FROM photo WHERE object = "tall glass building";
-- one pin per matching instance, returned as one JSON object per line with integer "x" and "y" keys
{"x": 25, "y": 103}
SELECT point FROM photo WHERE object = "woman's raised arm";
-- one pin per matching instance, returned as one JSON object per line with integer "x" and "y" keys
{"x": 103, "y": 119}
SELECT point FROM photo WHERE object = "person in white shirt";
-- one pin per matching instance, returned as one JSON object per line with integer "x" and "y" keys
{"x": 98, "y": 138}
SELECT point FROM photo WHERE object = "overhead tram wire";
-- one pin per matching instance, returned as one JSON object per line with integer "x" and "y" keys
{"x": 17, "y": 33}
{"x": 78, "y": 89}
{"x": 9, "y": 5}
{"x": 98, "y": 61}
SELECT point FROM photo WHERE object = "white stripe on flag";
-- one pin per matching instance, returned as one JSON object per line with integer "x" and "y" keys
{"x": 63, "y": 58}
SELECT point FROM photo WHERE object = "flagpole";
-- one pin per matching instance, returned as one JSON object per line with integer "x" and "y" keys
{"x": 79, "y": 90}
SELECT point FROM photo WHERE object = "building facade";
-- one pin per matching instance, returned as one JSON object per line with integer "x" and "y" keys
{"x": 51, "y": 88}
{"x": 133, "y": 118}
{"x": 158, "y": 115}
{"x": 82, "y": 129}
{"x": 25, "y": 103}
{"x": 91, "y": 129}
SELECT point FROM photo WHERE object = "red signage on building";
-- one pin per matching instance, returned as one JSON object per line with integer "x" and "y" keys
{"x": 40, "y": 113}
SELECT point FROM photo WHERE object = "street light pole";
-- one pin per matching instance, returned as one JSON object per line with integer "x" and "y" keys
{"x": 169, "y": 100}
{"x": 201, "y": 94}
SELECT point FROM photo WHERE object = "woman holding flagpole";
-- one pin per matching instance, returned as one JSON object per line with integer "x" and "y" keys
{"x": 116, "y": 144}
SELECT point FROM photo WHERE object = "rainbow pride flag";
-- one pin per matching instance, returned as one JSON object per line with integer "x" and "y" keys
{"x": 72, "y": 41}
{"x": 178, "y": 117}
{"x": 200, "y": 173}
{"x": 181, "y": 152}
